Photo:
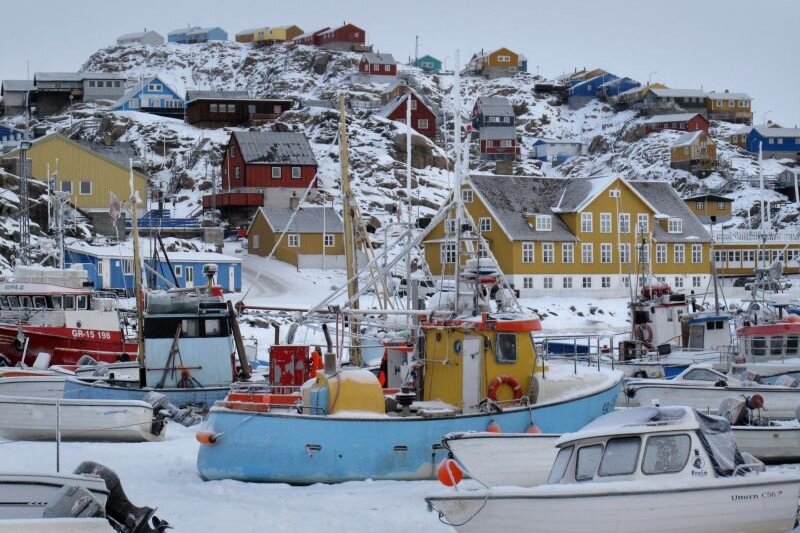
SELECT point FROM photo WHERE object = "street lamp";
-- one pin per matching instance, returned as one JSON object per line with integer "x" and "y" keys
{"x": 650, "y": 76}
{"x": 765, "y": 116}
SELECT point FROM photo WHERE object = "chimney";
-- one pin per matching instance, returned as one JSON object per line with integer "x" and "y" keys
{"x": 726, "y": 91}
{"x": 294, "y": 202}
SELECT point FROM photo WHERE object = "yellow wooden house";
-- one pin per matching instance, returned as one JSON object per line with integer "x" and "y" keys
{"x": 730, "y": 107}
{"x": 705, "y": 206}
{"x": 595, "y": 235}
{"x": 694, "y": 152}
{"x": 502, "y": 62}
{"x": 314, "y": 237}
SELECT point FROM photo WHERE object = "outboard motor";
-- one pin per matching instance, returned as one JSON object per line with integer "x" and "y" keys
{"x": 734, "y": 410}
{"x": 130, "y": 518}
{"x": 74, "y": 501}
{"x": 163, "y": 408}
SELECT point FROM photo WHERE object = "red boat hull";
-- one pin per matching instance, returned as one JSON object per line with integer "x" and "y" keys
{"x": 65, "y": 345}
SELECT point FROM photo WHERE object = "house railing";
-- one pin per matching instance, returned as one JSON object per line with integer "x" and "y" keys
{"x": 757, "y": 236}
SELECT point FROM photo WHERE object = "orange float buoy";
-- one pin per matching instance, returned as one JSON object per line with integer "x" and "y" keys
{"x": 206, "y": 437}
{"x": 493, "y": 427}
{"x": 450, "y": 474}
{"x": 793, "y": 319}
{"x": 534, "y": 429}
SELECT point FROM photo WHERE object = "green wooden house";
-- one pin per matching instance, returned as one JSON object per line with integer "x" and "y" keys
{"x": 428, "y": 64}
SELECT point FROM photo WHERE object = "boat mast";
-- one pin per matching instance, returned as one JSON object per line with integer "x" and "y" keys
{"x": 349, "y": 234}
{"x": 408, "y": 199}
{"x": 457, "y": 176}
{"x": 137, "y": 284}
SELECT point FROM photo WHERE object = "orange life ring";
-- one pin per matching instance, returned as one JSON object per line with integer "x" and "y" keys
{"x": 644, "y": 333}
{"x": 511, "y": 381}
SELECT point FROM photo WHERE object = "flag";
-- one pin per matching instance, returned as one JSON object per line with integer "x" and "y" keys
{"x": 114, "y": 207}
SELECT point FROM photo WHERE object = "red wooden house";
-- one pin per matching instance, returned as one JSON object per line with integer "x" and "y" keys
{"x": 678, "y": 122}
{"x": 423, "y": 119}
{"x": 499, "y": 143}
{"x": 264, "y": 168}
{"x": 311, "y": 38}
{"x": 377, "y": 65}
{"x": 345, "y": 37}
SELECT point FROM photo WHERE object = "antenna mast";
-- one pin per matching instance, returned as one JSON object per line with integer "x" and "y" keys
{"x": 457, "y": 166}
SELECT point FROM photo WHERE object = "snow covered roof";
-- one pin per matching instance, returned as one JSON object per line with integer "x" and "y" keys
{"x": 766, "y": 131}
{"x": 728, "y": 96}
{"x": 513, "y": 200}
{"x": 675, "y": 117}
{"x": 637, "y": 420}
{"x": 77, "y": 76}
{"x": 120, "y": 152}
{"x": 136, "y": 89}
{"x": 308, "y": 34}
{"x": 666, "y": 201}
{"x": 18, "y": 85}
{"x": 687, "y": 139}
{"x": 309, "y": 219}
{"x": 379, "y": 59}
{"x": 678, "y": 93}
{"x": 395, "y": 102}
{"x": 135, "y": 35}
{"x": 619, "y": 81}
{"x": 275, "y": 147}
{"x": 217, "y": 95}
{"x": 496, "y": 106}
{"x": 579, "y": 192}
{"x": 494, "y": 133}
{"x": 708, "y": 197}
{"x": 557, "y": 141}
{"x": 193, "y": 30}
{"x": 125, "y": 251}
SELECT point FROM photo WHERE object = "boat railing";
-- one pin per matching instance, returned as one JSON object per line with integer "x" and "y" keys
{"x": 263, "y": 388}
{"x": 586, "y": 350}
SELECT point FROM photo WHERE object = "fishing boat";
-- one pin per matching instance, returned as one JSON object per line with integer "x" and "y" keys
{"x": 51, "y": 311}
{"x": 471, "y": 365}
{"x": 702, "y": 387}
{"x": 24, "y": 418}
{"x": 656, "y": 469}
{"x": 770, "y": 441}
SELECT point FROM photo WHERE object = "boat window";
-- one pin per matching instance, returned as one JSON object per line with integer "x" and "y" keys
{"x": 39, "y": 302}
{"x": 560, "y": 465}
{"x": 4, "y": 302}
{"x": 13, "y": 302}
{"x": 25, "y": 301}
{"x": 759, "y": 346}
{"x": 588, "y": 460}
{"x": 620, "y": 457}
{"x": 58, "y": 302}
{"x": 506, "y": 348}
{"x": 212, "y": 327}
{"x": 83, "y": 302}
{"x": 776, "y": 345}
{"x": 701, "y": 374}
{"x": 791, "y": 345}
{"x": 69, "y": 301}
{"x": 666, "y": 454}
{"x": 190, "y": 327}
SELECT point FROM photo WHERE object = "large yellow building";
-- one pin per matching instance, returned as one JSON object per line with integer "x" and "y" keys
{"x": 276, "y": 34}
{"x": 549, "y": 235}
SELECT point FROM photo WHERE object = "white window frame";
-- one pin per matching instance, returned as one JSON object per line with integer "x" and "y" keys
{"x": 178, "y": 271}
{"x": 528, "y": 252}
{"x": 587, "y": 223}
{"x": 527, "y": 282}
{"x": 587, "y": 253}
{"x": 422, "y": 123}
{"x": 544, "y": 223}
{"x": 675, "y": 226}
{"x": 127, "y": 267}
{"x": 485, "y": 224}
{"x": 67, "y": 189}
{"x": 506, "y": 143}
{"x": 237, "y": 173}
{"x": 605, "y": 223}
{"x": 449, "y": 226}
{"x": 547, "y": 282}
{"x": 280, "y": 172}
{"x": 679, "y": 253}
{"x": 80, "y": 187}
{"x": 567, "y": 253}
{"x": 625, "y": 253}
{"x": 447, "y": 253}
{"x": 329, "y": 240}
{"x": 293, "y": 240}
{"x": 467, "y": 196}
{"x": 624, "y": 223}
{"x": 188, "y": 274}
{"x": 661, "y": 253}
{"x": 548, "y": 252}
{"x": 297, "y": 173}
{"x": 605, "y": 282}
{"x": 697, "y": 253}
{"x": 606, "y": 252}
{"x": 566, "y": 282}
{"x": 642, "y": 223}
{"x": 586, "y": 282}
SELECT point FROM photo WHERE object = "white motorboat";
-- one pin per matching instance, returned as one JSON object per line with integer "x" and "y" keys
{"x": 495, "y": 459}
{"x": 56, "y": 525}
{"x": 34, "y": 386}
{"x": 771, "y": 441}
{"x": 24, "y": 495}
{"x": 655, "y": 469}
{"x": 703, "y": 388}
{"x": 26, "y": 418}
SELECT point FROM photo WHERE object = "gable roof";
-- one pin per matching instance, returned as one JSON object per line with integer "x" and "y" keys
{"x": 667, "y": 202}
{"x": 493, "y": 133}
{"x": 728, "y": 96}
{"x": 675, "y": 117}
{"x": 589, "y": 81}
{"x": 139, "y": 87}
{"x": 495, "y": 106}
{"x": 379, "y": 59}
{"x": 395, "y": 102}
{"x": 766, "y": 131}
{"x": 308, "y": 34}
{"x": 512, "y": 199}
{"x": 309, "y": 219}
{"x": 275, "y": 147}
{"x": 709, "y": 196}
{"x": 136, "y": 35}
{"x": 620, "y": 81}
{"x": 580, "y": 192}
{"x": 687, "y": 139}
{"x": 18, "y": 85}
{"x": 678, "y": 93}
{"x": 556, "y": 141}
{"x": 217, "y": 95}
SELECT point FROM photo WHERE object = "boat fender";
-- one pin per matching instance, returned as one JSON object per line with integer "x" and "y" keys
{"x": 449, "y": 473}
{"x": 493, "y": 427}
{"x": 533, "y": 429}
{"x": 207, "y": 437}
{"x": 511, "y": 381}
{"x": 533, "y": 391}
{"x": 756, "y": 401}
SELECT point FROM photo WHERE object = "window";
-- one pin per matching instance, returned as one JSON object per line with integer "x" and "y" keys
{"x": 697, "y": 282}
{"x": 605, "y": 253}
{"x": 747, "y": 255}
{"x": 155, "y": 87}
{"x": 700, "y": 206}
{"x": 605, "y": 282}
{"x": 489, "y": 144}
{"x": 376, "y": 68}
{"x": 422, "y": 124}
{"x": 547, "y": 252}
{"x": 276, "y": 172}
{"x": 587, "y": 462}
{"x": 450, "y": 225}
{"x": 625, "y": 253}
{"x": 661, "y": 253}
{"x": 233, "y": 151}
{"x": 697, "y": 253}
{"x": 387, "y": 68}
{"x": 527, "y": 282}
{"x": 642, "y": 223}
{"x": 127, "y": 267}
{"x": 527, "y": 252}
{"x": 178, "y": 271}
{"x": 643, "y": 252}
{"x": 734, "y": 256}
{"x": 99, "y": 267}
{"x": 505, "y": 349}
{"x": 231, "y": 108}
{"x": 82, "y": 302}
{"x": 413, "y": 104}
{"x": 237, "y": 173}
{"x": 66, "y": 186}
{"x": 544, "y": 223}
{"x": 296, "y": 173}
{"x": 586, "y": 222}
{"x": 86, "y": 188}
{"x": 467, "y": 196}
{"x": 330, "y": 240}
{"x": 721, "y": 206}
{"x": 679, "y": 253}
{"x": 678, "y": 282}
{"x": 504, "y": 59}
{"x": 560, "y": 465}
{"x": 447, "y": 252}
{"x": 547, "y": 282}
{"x": 39, "y": 302}
{"x": 586, "y": 282}
{"x": 587, "y": 253}
{"x": 620, "y": 457}
{"x": 626, "y": 282}
{"x": 294, "y": 240}
{"x": 189, "y": 274}
{"x": 485, "y": 224}
{"x": 666, "y": 455}
{"x": 566, "y": 282}
{"x": 605, "y": 222}
{"x": 506, "y": 144}
{"x": 624, "y": 223}
{"x": 675, "y": 225}
{"x": 92, "y": 83}
{"x": 719, "y": 256}
{"x": 567, "y": 252}
{"x": 213, "y": 108}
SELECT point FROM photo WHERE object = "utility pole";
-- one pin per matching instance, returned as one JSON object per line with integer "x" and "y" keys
{"x": 24, "y": 206}
{"x": 408, "y": 198}
{"x": 416, "y": 49}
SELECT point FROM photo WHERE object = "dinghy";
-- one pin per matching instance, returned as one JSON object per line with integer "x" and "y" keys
{"x": 655, "y": 469}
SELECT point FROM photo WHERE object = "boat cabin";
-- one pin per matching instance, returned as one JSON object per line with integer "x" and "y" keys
{"x": 656, "y": 316}
{"x": 642, "y": 443}
{"x": 703, "y": 331}
{"x": 770, "y": 341}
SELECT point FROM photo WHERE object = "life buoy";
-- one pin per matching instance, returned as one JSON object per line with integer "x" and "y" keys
{"x": 511, "y": 381}
{"x": 644, "y": 333}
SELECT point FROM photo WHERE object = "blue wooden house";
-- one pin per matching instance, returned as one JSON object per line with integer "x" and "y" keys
{"x": 191, "y": 35}
{"x": 10, "y": 134}
{"x": 581, "y": 92}
{"x": 556, "y": 151}
{"x": 428, "y": 64}
{"x": 152, "y": 95}
{"x": 615, "y": 87}
{"x": 111, "y": 267}
{"x": 775, "y": 142}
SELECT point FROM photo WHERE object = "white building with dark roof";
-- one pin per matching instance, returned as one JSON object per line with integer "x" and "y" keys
{"x": 146, "y": 37}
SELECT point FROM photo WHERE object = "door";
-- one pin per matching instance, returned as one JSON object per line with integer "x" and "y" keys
{"x": 231, "y": 278}
{"x": 189, "y": 276}
{"x": 471, "y": 381}
{"x": 104, "y": 273}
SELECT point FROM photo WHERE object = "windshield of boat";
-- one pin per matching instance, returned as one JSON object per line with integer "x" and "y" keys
{"x": 702, "y": 374}
{"x": 560, "y": 465}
